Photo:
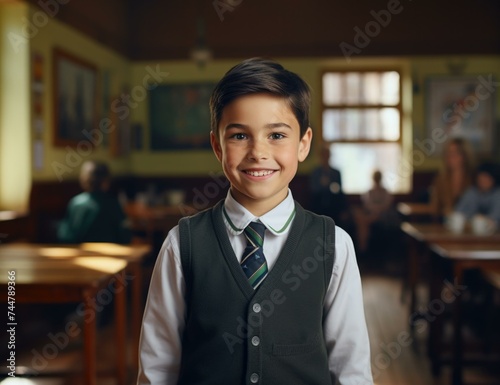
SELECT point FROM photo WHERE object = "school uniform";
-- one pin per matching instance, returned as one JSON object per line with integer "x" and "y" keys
{"x": 304, "y": 324}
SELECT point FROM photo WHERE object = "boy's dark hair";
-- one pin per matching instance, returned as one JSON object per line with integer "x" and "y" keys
{"x": 491, "y": 169}
{"x": 93, "y": 176}
{"x": 259, "y": 75}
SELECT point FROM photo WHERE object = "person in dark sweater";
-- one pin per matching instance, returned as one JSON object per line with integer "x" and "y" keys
{"x": 327, "y": 197}
{"x": 256, "y": 290}
{"x": 94, "y": 215}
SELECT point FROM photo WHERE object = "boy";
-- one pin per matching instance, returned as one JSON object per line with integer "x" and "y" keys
{"x": 483, "y": 198}
{"x": 256, "y": 290}
{"x": 94, "y": 215}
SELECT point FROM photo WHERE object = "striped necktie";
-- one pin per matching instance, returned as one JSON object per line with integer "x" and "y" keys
{"x": 253, "y": 262}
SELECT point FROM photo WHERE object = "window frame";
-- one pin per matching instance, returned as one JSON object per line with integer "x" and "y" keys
{"x": 399, "y": 106}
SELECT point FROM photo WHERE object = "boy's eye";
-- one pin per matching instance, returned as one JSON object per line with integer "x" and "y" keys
{"x": 277, "y": 135}
{"x": 238, "y": 136}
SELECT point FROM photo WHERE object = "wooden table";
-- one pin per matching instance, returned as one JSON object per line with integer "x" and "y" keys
{"x": 132, "y": 256}
{"x": 461, "y": 256}
{"x": 415, "y": 211}
{"x": 420, "y": 235}
{"x": 80, "y": 279}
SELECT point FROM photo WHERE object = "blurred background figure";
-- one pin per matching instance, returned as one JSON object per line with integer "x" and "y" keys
{"x": 454, "y": 177}
{"x": 378, "y": 219}
{"x": 327, "y": 197}
{"x": 483, "y": 199}
{"x": 94, "y": 215}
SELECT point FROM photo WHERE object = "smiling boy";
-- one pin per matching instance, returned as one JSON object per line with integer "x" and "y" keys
{"x": 256, "y": 290}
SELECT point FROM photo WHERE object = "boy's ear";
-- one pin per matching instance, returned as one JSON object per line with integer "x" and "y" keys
{"x": 214, "y": 141}
{"x": 305, "y": 144}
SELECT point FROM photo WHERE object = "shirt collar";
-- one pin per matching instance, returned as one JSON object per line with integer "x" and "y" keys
{"x": 277, "y": 221}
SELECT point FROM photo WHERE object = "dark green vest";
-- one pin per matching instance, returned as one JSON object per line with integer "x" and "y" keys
{"x": 273, "y": 335}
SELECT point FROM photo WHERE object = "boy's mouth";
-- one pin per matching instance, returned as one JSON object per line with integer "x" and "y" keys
{"x": 258, "y": 172}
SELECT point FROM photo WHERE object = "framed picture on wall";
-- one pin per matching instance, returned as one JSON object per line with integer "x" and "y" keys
{"x": 460, "y": 106}
{"x": 75, "y": 97}
{"x": 180, "y": 116}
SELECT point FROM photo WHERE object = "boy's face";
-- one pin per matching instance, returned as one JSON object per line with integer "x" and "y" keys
{"x": 485, "y": 181}
{"x": 259, "y": 147}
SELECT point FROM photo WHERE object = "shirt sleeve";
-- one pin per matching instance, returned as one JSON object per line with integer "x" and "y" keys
{"x": 344, "y": 328}
{"x": 467, "y": 205}
{"x": 164, "y": 318}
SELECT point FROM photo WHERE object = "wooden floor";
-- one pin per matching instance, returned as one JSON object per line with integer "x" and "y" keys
{"x": 387, "y": 320}
{"x": 397, "y": 358}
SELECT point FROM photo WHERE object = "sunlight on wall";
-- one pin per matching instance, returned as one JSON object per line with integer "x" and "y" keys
{"x": 15, "y": 168}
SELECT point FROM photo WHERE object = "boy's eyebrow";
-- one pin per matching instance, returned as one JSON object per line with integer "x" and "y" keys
{"x": 268, "y": 126}
{"x": 277, "y": 125}
{"x": 235, "y": 125}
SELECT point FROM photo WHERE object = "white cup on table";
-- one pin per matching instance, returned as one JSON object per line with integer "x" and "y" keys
{"x": 455, "y": 222}
{"x": 482, "y": 225}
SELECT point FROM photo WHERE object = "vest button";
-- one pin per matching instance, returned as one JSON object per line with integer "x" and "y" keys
{"x": 255, "y": 341}
{"x": 256, "y": 307}
{"x": 254, "y": 378}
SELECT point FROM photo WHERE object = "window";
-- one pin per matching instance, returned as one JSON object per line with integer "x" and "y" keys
{"x": 361, "y": 120}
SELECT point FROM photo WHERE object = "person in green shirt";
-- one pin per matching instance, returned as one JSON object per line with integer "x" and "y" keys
{"x": 94, "y": 215}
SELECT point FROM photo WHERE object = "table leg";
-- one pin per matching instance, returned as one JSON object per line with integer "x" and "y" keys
{"x": 120, "y": 320}
{"x": 89, "y": 333}
{"x": 413, "y": 279}
{"x": 415, "y": 253}
{"x": 457, "y": 330}
{"x": 434, "y": 344}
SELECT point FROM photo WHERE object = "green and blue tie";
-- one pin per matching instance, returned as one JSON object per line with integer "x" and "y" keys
{"x": 253, "y": 262}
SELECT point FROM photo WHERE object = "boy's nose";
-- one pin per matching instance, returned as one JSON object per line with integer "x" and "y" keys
{"x": 258, "y": 150}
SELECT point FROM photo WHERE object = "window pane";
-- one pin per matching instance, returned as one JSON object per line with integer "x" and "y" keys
{"x": 372, "y": 124}
{"x": 332, "y": 88}
{"x": 361, "y": 124}
{"x": 344, "y": 124}
{"x": 390, "y": 88}
{"x": 357, "y": 162}
{"x": 331, "y": 125}
{"x": 390, "y": 123}
{"x": 371, "y": 88}
{"x": 353, "y": 87}
{"x": 353, "y": 120}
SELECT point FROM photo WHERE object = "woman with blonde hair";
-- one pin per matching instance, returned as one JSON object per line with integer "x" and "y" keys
{"x": 454, "y": 177}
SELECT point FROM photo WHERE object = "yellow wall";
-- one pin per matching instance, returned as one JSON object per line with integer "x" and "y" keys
{"x": 15, "y": 146}
{"x": 57, "y": 34}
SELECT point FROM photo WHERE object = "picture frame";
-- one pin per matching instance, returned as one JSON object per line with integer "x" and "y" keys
{"x": 179, "y": 116}
{"x": 74, "y": 98}
{"x": 460, "y": 106}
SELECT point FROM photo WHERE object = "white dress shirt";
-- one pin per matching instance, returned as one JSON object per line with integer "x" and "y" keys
{"x": 344, "y": 326}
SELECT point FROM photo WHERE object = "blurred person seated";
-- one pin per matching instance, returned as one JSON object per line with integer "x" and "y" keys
{"x": 483, "y": 199}
{"x": 327, "y": 197}
{"x": 480, "y": 204}
{"x": 377, "y": 212}
{"x": 453, "y": 179}
{"x": 94, "y": 215}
